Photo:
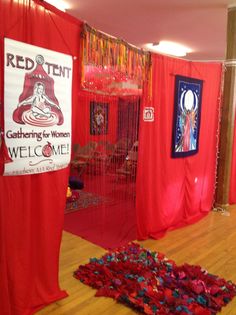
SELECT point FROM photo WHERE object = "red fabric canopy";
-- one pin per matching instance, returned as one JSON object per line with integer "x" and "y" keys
{"x": 175, "y": 192}
{"x": 170, "y": 192}
{"x": 32, "y": 207}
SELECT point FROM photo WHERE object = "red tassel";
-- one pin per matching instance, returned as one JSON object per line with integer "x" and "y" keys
{"x": 4, "y": 156}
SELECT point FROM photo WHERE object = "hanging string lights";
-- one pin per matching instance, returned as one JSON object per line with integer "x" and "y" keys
{"x": 216, "y": 207}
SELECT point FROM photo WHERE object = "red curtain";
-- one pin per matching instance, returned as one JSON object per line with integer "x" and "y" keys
{"x": 232, "y": 193}
{"x": 32, "y": 207}
{"x": 175, "y": 192}
{"x": 82, "y": 119}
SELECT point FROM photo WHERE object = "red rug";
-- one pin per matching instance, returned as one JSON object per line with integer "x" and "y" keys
{"x": 152, "y": 284}
{"x": 106, "y": 226}
{"x": 105, "y": 212}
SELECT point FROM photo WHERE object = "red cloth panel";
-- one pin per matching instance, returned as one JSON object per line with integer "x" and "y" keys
{"x": 174, "y": 192}
{"x": 32, "y": 207}
{"x": 82, "y": 119}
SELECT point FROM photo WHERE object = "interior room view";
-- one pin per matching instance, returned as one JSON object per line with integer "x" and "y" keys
{"x": 117, "y": 157}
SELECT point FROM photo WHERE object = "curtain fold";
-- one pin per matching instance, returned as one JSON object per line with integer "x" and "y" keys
{"x": 174, "y": 192}
{"x": 32, "y": 207}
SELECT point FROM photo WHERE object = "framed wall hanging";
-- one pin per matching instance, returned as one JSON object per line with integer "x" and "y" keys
{"x": 187, "y": 114}
{"x": 98, "y": 118}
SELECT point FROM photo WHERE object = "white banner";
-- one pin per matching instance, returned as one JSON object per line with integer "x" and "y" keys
{"x": 37, "y": 108}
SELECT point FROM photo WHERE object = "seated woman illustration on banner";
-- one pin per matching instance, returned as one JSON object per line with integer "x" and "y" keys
{"x": 38, "y": 104}
{"x": 39, "y": 101}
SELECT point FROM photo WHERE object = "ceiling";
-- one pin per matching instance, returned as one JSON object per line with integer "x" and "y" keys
{"x": 197, "y": 24}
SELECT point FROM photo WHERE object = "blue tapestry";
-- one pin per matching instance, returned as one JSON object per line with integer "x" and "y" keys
{"x": 187, "y": 113}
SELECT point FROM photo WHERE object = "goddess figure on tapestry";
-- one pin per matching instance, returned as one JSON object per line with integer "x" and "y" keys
{"x": 187, "y": 123}
{"x": 187, "y": 114}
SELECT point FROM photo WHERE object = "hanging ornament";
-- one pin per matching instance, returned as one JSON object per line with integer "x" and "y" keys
{"x": 112, "y": 54}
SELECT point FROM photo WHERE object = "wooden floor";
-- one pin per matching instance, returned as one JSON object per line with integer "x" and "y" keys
{"x": 210, "y": 243}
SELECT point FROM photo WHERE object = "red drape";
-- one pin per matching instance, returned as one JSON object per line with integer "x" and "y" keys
{"x": 105, "y": 211}
{"x": 32, "y": 207}
{"x": 232, "y": 193}
{"x": 175, "y": 192}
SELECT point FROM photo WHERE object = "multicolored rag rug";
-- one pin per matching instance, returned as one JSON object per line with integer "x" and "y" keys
{"x": 153, "y": 284}
{"x": 85, "y": 200}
